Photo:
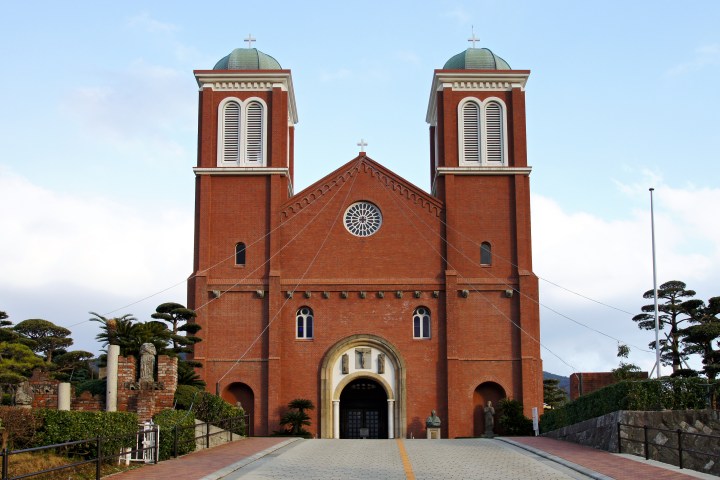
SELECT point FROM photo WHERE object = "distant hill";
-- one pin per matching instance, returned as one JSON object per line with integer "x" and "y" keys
{"x": 564, "y": 381}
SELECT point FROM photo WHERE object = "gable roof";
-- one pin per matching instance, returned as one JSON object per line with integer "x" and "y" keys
{"x": 364, "y": 165}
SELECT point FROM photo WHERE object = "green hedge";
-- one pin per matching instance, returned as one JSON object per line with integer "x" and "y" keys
{"x": 210, "y": 408}
{"x": 663, "y": 394}
{"x": 167, "y": 420}
{"x": 117, "y": 429}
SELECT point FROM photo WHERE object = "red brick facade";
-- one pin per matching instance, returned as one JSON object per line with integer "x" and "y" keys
{"x": 363, "y": 291}
{"x": 587, "y": 382}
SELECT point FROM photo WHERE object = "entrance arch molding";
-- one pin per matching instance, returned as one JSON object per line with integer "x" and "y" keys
{"x": 396, "y": 393}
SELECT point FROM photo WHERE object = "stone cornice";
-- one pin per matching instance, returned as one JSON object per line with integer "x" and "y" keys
{"x": 249, "y": 80}
{"x": 233, "y": 171}
{"x": 473, "y": 81}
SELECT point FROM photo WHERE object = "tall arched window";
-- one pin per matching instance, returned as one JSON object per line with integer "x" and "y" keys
{"x": 304, "y": 323}
{"x": 471, "y": 132}
{"x": 485, "y": 254}
{"x": 421, "y": 322}
{"x": 254, "y": 134}
{"x": 241, "y": 133}
{"x": 481, "y": 132}
{"x": 494, "y": 133}
{"x": 230, "y": 132}
{"x": 240, "y": 253}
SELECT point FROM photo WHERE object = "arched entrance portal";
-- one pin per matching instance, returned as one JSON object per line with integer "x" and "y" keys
{"x": 363, "y": 410}
{"x": 487, "y": 391}
{"x": 362, "y": 386}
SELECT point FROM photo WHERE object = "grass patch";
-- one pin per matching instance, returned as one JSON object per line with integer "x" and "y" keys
{"x": 26, "y": 463}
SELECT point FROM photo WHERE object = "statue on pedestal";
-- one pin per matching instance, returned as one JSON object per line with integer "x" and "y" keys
{"x": 433, "y": 421}
{"x": 489, "y": 419}
{"x": 147, "y": 362}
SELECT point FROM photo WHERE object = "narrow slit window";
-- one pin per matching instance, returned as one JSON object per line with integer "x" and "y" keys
{"x": 485, "y": 254}
{"x": 240, "y": 253}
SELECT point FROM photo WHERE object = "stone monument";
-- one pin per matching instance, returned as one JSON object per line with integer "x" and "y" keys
{"x": 147, "y": 362}
{"x": 489, "y": 420}
{"x": 23, "y": 395}
{"x": 432, "y": 424}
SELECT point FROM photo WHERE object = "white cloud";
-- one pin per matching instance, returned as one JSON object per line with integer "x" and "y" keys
{"x": 149, "y": 24}
{"x": 92, "y": 243}
{"x": 611, "y": 261}
{"x": 705, "y": 56}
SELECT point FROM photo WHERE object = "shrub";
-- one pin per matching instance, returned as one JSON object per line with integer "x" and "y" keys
{"x": 168, "y": 420}
{"x": 511, "y": 420}
{"x": 185, "y": 396}
{"x": 20, "y": 423}
{"x": 213, "y": 409}
{"x": 117, "y": 429}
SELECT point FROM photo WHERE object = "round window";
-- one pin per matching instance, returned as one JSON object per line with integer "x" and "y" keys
{"x": 362, "y": 219}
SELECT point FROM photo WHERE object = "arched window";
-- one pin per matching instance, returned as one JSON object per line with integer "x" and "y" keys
{"x": 241, "y": 133}
{"x": 240, "y": 253}
{"x": 471, "y": 132}
{"x": 485, "y": 254}
{"x": 494, "y": 133}
{"x": 481, "y": 132}
{"x": 421, "y": 322}
{"x": 254, "y": 134}
{"x": 230, "y": 132}
{"x": 304, "y": 323}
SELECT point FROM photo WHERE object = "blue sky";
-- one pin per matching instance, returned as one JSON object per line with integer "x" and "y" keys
{"x": 98, "y": 137}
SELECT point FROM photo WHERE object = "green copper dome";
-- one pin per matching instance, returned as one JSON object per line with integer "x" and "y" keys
{"x": 247, "y": 59}
{"x": 476, "y": 59}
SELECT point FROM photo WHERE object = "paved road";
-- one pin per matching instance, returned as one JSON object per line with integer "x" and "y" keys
{"x": 402, "y": 459}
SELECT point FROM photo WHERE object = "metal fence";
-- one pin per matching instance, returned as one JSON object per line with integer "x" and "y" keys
{"x": 229, "y": 426}
{"x": 676, "y": 440}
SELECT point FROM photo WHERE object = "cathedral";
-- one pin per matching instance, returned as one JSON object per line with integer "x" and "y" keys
{"x": 372, "y": 298}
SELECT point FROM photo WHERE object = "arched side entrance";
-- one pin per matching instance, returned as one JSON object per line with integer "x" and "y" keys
{"x": 240, "y": 392}
{"x": 357, "y": 374}
{"x": 486, "y": 391}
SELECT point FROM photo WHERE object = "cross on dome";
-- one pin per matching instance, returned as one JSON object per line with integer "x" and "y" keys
{"x": 473, "y": 39}
{"x": 362, "y": 144}
{"x": 250, "y": 40}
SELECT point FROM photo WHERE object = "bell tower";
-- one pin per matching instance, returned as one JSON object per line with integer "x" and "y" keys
{"x": 244, "y": 173}
{"x": 479, "y": 170}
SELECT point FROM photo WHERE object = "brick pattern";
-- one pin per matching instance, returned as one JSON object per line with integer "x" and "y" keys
{"x": 582, "y": 383}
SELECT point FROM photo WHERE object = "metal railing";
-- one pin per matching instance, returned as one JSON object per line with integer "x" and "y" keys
{"x": 676, "y": 445}
{"x": 92, "y": 448}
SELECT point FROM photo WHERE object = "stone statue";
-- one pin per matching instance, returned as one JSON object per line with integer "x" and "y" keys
{"x": 489, "y": 419}
{"x": 362, "y": 358}
{"x": 147, "y": 362}
{"x": 345, "y": 364}
{"x": 433, "y": 421}
{"x": 381, "y": 363}
{"x": 23, "y": 395}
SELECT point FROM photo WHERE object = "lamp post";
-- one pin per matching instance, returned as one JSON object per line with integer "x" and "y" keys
{"x": 655, "y": 291}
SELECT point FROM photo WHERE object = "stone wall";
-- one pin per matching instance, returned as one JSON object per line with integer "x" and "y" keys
{"x": 601, "y": 432}
{"x": 143, "y": 398}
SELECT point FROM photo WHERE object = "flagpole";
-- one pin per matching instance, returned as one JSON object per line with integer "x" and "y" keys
{"x": 655, "y": 291}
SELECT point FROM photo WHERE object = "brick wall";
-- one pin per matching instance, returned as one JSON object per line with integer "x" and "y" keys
{"x": 583, "y": 383}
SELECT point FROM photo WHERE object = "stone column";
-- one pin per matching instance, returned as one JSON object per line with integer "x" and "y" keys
{"x": 336, "y": 418}
{"x": 391, "y": 418}
{"x": 111, "y": 390}
{"x": 64, "y": 396}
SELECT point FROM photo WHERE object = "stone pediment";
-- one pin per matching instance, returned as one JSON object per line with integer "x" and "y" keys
{"x": 361, "y": 165}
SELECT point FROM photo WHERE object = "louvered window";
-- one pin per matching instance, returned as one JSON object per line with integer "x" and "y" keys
{"x": 253, "y": 147}
{"x": 471, "y": 132}
{"x": 231, "y": 132}
{"x": 494, "y": 132}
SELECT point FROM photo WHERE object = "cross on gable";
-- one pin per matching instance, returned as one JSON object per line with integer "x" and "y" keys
{"x": 362, "y": 144}
{"x": 250, "y": 40}
{"x": 473, "y": 38}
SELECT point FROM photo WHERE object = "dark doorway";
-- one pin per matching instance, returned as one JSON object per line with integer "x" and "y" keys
{"x": 241, "y": 393}
{"x": 363, "y": 410}
{"x": 488, "y": 391}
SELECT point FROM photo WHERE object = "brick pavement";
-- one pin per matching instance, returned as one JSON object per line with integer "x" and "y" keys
{"x": 614, "y": 466}
{"x": 206, "y": 462}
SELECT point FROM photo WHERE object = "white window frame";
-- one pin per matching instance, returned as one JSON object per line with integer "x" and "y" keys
{"x": 482, "y": 104}
{"x": 242, "y": 160}
{"x": 424, "y": 335}
{"x": 306, "y": 319}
